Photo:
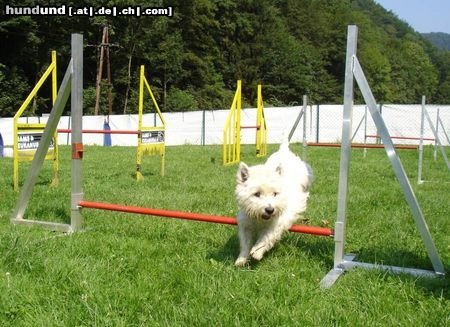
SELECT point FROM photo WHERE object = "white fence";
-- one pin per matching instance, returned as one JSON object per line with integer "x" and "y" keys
{"x": 206, "y": 127}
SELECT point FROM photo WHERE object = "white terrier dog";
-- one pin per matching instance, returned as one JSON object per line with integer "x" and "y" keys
{"x": 271, "y": 198}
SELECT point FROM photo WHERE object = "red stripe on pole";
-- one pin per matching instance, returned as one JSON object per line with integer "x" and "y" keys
{"x": 368, "y": 146}
{"x": 404, "y": 138}
{"x": 322, "y": 231}
{"x": 100, "y": 131}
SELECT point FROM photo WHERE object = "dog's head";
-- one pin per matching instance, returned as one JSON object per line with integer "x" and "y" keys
{"x": 259, "y": 191}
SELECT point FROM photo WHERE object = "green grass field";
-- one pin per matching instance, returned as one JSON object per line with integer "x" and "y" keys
{"x": 131, "y": 270}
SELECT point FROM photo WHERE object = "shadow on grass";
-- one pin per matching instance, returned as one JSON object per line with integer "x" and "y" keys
{"x": 146, "y": 174}
{"x": 317, "y": 249}
{"x": 55, "y": 215}
{"x": 321, "y": 249}
{"x": 438, "y": 287}
{"x": 228, "y": 253}
{"x": 39, "y": 182}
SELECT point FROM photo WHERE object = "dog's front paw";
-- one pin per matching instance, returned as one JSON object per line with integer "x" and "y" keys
{"x": 240, "y": 262}
{"x": 257, "y": 254}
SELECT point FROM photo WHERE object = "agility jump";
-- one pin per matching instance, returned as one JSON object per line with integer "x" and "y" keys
{"x": 342, "y": 262}
{"x": 151, "y": 139}
{"x": 27, "y": 136}
{"x": 302, "y": 115}
{"x": 437, "y": 140}
{"x": 232, "y": 130}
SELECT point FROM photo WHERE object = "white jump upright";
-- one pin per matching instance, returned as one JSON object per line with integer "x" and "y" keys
{"x": 343, "y": 262}
{"x": 438, "y": 142}
{"x": 301, "y": 114}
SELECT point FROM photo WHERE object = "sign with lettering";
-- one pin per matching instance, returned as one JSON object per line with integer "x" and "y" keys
{"x": 30, "y": 140}
{"x": 149, "y": 137}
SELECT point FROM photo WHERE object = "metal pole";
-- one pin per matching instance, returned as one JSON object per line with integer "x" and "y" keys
{"x": 76, "y": 220}
{"x": 339, "y": 233}
{"x": 300, "y": 114}
{"x": 437, "y": 132}
{"x": 365, "y": 131}
{"x": 39, "y": 157}
{"x": 68, "y": 127}
{"x": 436, "y": 136}
{"x": 422, "y": 121}
{"x": 346, "y": 146}
{"x": 203, "y": 128}
{"x": 317, "y": 125}
{"x": 291, "y": 133}
{"x": 381, "y": 113}
{"x": 304, "y": 141}
{"x": 399, "y": 170}
{"x": 357, "y": 128}
{"x": 443, "y": 130}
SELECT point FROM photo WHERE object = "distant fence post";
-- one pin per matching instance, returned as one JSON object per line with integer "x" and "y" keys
{"x": 203, "y": 138}
{"x": 437, "y": 132}
{"x": 1, "y": 145}
{"x": 378, "y": 140}
{"x": 317, "y": 124}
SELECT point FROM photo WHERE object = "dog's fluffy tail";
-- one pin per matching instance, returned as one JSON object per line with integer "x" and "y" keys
{"x": 284, "y": 146}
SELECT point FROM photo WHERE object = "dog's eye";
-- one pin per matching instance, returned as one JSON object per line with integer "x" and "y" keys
{"x": 257, "y": 194}
{"x": 275, "y": 194}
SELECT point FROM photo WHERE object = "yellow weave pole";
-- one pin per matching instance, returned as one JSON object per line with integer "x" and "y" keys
{"x": 151, "y": 140}
{"x": 55, "y": 137}
{"x": 141, "y": 105}
{"x": 231, "y": 151}
{"x": 261, "y": 127}
{"x": 38, "y": 128}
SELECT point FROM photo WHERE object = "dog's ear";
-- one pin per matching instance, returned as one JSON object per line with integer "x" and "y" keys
{"x": 242, "y": 174}
{"x": 279, "y": 169}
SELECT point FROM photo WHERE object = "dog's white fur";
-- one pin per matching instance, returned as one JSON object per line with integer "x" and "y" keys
{"x": 271, "y": 198}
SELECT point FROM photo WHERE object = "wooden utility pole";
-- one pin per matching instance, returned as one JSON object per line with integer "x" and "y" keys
{"x": 104, "y": 46}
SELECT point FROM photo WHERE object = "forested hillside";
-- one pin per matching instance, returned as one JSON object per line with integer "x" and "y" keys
{"x": 193, "y": 59}
{"x": 439, "y": 40}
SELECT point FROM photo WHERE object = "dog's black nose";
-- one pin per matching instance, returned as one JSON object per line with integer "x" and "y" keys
{"x": 269, "y": 210}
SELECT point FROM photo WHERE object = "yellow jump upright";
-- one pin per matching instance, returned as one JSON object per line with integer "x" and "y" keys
{"x": 232, "y": 129}
{"x": 27, "y": 136}
{"x": 261, "y": 127}
{"x": 151, "y": 140}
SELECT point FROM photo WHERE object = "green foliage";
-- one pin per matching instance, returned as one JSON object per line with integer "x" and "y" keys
{"x": 13, "y": 91}
{"x": 179, "y": 100}
{"x": 377, "y": 68}
{"x": 293, "y": 47}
